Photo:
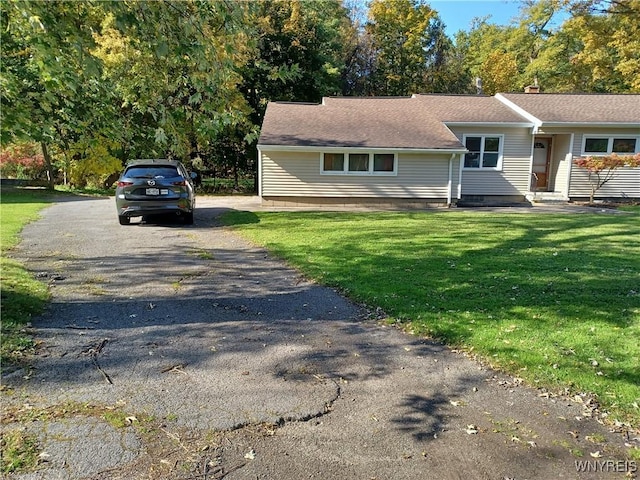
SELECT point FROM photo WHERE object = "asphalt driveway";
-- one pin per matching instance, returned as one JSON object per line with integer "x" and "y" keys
{"x": 184, "y": 352}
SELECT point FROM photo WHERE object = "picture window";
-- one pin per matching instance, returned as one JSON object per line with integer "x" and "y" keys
{"x": 359, "y": 163}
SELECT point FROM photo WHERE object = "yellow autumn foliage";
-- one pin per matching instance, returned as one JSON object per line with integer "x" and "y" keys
{"x": 92, "y": 163}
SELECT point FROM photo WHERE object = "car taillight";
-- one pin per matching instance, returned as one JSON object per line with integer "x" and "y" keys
{"x": 181, "y": 183}
{"x": 124, "y": 184}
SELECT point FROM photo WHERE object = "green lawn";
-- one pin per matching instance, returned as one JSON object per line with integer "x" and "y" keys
{"x": 554, "y": 299}
{"x": 21, "y": 295}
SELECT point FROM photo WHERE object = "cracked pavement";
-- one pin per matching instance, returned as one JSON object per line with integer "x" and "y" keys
{"x": 229, "y": 364}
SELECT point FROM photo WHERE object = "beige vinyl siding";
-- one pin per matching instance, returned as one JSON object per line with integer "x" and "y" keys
{"x": 625, "y": 183}
{"x": 297, "y": 174}
{"x": 514, "y": 178}
{"x": 561, "y": 163}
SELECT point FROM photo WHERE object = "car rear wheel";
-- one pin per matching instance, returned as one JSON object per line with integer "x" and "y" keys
{"x": 188, "y": 218}
{"x": 124, "y": 220}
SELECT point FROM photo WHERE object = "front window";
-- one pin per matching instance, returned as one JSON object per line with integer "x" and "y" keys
{"x": 333, "y": 162}
{"x": 606, "y": 145}
{"x": 596, "y": 145}
{"x": 624, "y": 145}
{"x": 383, "y": 162}
{"x": 484, "y": 151}
{"x": 359, "y": 163}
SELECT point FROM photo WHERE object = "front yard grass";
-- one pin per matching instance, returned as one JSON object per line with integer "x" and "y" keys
{"x": 553, "y": 299}
{"x": 21, "y": 295}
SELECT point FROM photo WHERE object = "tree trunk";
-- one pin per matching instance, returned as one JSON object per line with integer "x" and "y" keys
{"x": 108, "y": 183}
{"x": 594, "y": 187}
{"x": 236, "y": 183}
{"x": 48, "y": 165}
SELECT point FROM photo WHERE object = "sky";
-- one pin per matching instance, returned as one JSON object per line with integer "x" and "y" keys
{"x": 458, "y": 14}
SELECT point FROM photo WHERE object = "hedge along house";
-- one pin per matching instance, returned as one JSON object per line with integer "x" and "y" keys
{"x": 443, "y": 149}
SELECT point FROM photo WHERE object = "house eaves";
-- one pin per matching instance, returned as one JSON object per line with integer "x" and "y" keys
{"x": 590, "y": 124}
{"x": 355, "y": 149}
{"x": 489, "y": 124}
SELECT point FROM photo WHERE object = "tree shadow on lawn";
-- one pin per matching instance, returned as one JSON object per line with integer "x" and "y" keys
{"x": 455, "y": 275}
{"x": 194, "y": 313}
{"x": 560, "y": 263}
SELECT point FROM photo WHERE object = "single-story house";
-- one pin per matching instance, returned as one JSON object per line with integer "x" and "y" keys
{"x": 446, "y": 149}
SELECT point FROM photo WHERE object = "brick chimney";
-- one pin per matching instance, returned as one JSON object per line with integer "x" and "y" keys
{"x": 532, "y": 88}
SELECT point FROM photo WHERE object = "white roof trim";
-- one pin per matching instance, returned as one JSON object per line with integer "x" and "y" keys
{"x": 591, "y": 124}
{"x": 315, "y": 148}
{"x": 489, "y": 124}
{"x": 536, "y": 121}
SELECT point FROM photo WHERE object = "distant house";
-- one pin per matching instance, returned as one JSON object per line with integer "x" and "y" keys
{"x": 444, "y": 149}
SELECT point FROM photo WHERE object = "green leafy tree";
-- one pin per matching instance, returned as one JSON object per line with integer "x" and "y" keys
{"x": 608, "y": 41}
{"x": 299, "y": 54}
{"x": 90, "y": 161}
{"x": 445, "y": 71}
{"x": 594, "y": 50}
{"x": 144, "y": 78}
{"x": 360, "y": 54}
{"x": 174, "y": 68}
{"x": 506, "y": 57}
{"x": 401, "y": 35}
{"x": 498, "y": 72}
{"x": 51, "y": 93}
{"x": 485, "y": 53}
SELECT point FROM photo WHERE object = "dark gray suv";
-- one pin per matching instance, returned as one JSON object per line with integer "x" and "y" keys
{"x": 155, "y": 187}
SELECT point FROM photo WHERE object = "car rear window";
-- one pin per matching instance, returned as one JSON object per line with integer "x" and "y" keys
{"x": 152, "y": 172}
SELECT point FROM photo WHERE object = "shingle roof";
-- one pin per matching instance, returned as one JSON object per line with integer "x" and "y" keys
{"x": 469, "y": 109}
{"x": 419, "y": 122}
{"x": 579, "y": 108}
{"x": 382, "y": 122}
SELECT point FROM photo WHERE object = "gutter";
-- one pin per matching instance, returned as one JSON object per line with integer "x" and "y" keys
{"x": 316, "y": 148}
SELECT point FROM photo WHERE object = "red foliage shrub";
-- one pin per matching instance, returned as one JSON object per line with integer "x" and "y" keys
{"x": 22, "y": 161}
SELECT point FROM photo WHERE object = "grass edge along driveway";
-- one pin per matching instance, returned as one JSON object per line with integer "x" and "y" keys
{"x": 552, "y": 299}
{"x": 21, "y": 295}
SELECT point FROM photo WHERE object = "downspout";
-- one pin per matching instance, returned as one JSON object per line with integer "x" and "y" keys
{"x": 260, "y": 174}
{"x": 450, "y": 184}
{"x": 461, "y": 161}
{"x": 532, "y": 188}
{"x": 570, "y": 167}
